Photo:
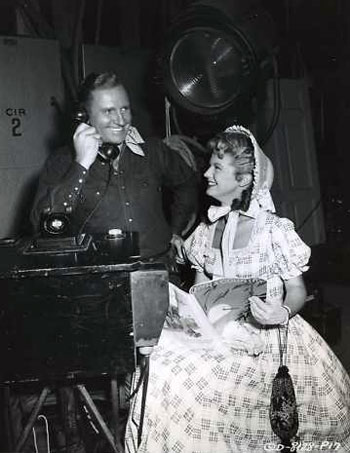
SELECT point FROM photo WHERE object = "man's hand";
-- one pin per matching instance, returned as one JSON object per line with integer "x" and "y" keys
{"x": 267, "y": 313}
{"x": 178, "y": 245}
{"x": 86, "y": 143}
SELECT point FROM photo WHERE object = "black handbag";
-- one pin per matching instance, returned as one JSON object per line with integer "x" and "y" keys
{"x": 283, "y": 407}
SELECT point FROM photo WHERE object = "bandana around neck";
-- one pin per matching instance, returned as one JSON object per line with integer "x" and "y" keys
{"x": 133, "y": 140}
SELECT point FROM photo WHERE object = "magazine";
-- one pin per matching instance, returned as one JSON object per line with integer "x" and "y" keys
{"x": 216, "y": 313}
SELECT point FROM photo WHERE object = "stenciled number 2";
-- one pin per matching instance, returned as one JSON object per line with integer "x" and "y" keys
{"x": 16, "y": 125}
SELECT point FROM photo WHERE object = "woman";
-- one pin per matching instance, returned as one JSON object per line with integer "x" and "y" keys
{"x": 201, "y": 400}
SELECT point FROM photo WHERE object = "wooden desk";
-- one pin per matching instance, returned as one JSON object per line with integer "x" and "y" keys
{"x": 71, "y": 315}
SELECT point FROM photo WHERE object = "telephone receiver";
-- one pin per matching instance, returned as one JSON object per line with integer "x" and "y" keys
{"x": 106, "y": 151}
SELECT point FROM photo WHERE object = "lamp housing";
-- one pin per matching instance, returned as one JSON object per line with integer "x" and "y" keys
{"x": 214, "y": 54}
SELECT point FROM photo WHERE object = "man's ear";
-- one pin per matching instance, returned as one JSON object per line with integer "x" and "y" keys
{"x": 245, "y": 179}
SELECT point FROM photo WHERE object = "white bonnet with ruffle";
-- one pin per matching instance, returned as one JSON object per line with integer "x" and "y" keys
{"x": 263, "y": 172}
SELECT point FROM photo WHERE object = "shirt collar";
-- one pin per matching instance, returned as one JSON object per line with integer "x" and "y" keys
{"x": 215, "y": 212}
{"x": 133, "y": 141}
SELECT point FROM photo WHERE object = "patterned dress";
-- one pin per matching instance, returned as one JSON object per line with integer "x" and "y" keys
{"x": 201, "y": 400}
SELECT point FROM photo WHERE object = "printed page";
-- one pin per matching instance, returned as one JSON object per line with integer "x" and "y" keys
{"x": 228, "y": 308}
{"x": 186, "y": 315}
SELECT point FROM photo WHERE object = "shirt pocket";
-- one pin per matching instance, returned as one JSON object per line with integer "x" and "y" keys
{"x": 146, "y": 185}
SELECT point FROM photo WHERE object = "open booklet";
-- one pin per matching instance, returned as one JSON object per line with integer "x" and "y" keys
{"x": 216, "y": 313}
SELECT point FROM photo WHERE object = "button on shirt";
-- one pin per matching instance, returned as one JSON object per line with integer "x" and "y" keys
{"x": 130, "y": 198}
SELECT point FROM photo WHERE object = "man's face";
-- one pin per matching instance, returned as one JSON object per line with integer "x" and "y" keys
{"x": 109, "y": 113}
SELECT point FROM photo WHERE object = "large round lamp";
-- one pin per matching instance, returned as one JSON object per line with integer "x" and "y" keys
{"x": 215, "y": 53}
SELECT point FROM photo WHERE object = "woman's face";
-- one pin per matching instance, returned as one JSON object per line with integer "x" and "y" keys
{"x": 222, "y": 181}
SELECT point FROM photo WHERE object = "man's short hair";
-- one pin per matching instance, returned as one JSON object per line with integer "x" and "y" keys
{"x": 95, "y": 81}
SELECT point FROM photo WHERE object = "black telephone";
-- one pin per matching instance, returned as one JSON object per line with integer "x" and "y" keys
{"x": 106, "y": 151}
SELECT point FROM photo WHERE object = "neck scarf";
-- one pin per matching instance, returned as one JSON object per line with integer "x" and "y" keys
{"x": 133, "y": 141}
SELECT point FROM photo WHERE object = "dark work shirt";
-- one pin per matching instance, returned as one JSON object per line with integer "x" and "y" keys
{"x": 129, "y": 197}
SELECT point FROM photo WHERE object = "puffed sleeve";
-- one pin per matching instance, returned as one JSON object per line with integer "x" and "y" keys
{"x": 195, "y": 248}
{"x": 291, "y": 253}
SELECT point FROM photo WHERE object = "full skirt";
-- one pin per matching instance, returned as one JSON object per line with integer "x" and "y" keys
{"x": 203, "y": 400}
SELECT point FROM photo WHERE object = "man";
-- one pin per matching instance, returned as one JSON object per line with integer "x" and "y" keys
{"x": 126, "y": 194}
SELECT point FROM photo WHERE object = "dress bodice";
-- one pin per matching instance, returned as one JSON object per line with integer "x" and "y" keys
{"x": 274, "y": 253}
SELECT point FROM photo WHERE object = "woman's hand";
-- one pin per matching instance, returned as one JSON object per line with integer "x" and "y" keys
{"x": 267, "y": 313}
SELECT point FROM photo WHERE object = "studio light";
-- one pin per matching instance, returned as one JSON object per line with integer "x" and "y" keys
{"x": 215, "y": 52}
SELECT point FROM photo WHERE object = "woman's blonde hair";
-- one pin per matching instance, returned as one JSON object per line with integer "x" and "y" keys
{"x": 241, "y": 149}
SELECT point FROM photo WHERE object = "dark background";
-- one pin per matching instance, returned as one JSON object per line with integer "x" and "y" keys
{"x": 313, "y": 42}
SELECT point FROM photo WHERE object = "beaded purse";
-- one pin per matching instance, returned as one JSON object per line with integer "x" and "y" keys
{"x": 283, "y": 407}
